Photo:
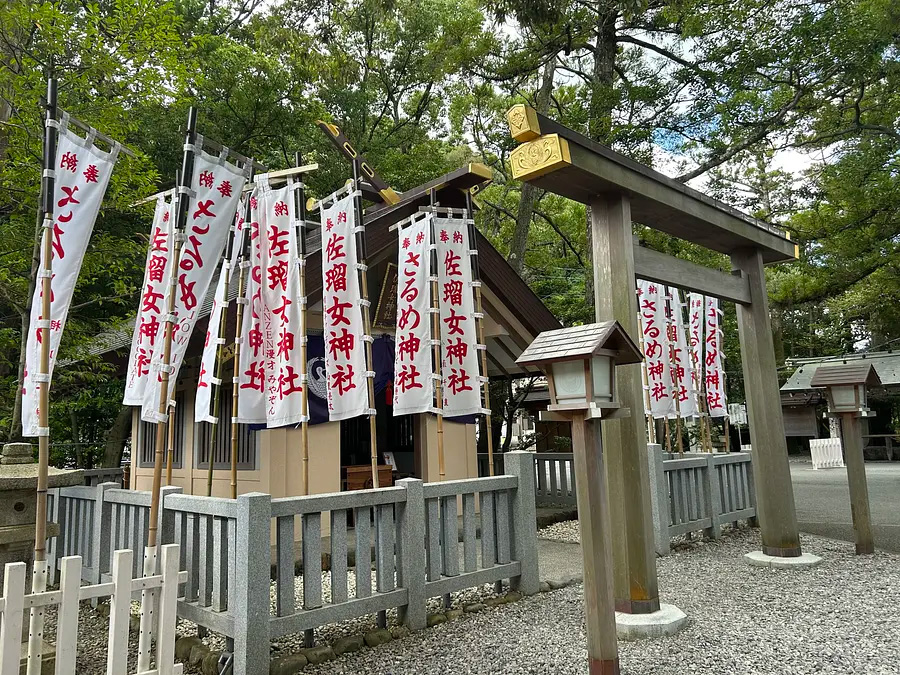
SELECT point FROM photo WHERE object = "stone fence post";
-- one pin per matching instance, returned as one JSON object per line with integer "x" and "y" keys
{"x": 167, "y": 518}
{"x": 251, "y": 579}
{"x": 411, "y": 553}
{"x": 713, "y": 497}
{"x": 101, "y": 555}
{"x": 659, "y": 498}
{"x": 524, "y": 520}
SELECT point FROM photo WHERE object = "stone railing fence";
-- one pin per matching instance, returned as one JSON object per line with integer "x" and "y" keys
{"x": 110, "y": 475}
{"x": 425, "y": 539}
{"x": 699, "y": 492}
{"x": 690, "y": 493}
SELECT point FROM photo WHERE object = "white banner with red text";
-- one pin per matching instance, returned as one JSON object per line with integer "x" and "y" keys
{"x": 413, "y": 369}
{"x": 652, "y": 307}
{"x": 460, "y": 377}
{"x": 695, "y": 330}
{"x": 680, "y": 357}
{"x": 215, "y": 190}
{"x": 148, "y": 323}
{"x": 207, "y": 378}
{"x": 345, "y": 355}
{"x": 283, "y": 329}
{"x": 716, "y": 402}
{"x": 82, "y": 173}
{"x": 251, "y": 382}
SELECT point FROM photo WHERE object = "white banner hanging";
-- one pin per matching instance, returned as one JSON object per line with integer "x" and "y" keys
{"x": 651, "y": 301}
{"x": 82, "y": 174}
{"x": 148, "y": 323}
{"x": 345, "y": 356}
{"x": 203, "y": 411}
{"x": 680, "y": 357}
{"x": 459, "y": 356}
{"x": 695, "y": 327}
{"x": 283, "y": 328}
{"x": 413, "y": 381}
{"x": 715, "y": 375}
{"x": 251, "y": 382}
{"x": 215, "y": 190}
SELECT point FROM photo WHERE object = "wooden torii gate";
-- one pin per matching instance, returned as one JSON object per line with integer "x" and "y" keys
{"x": 618, "y": 189}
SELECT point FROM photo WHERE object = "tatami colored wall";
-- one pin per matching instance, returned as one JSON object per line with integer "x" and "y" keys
{"x": 460, "y": 452}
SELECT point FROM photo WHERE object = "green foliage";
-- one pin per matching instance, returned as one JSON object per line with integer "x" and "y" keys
{"x": 713, "y": 92}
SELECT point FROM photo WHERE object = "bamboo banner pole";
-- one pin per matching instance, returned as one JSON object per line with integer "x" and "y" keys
{"x": 170, "y": 444}
{"x": 367, "y": 321}
{"x": 243, "y": 265}
{"x": 168, "y": 332}
{"x": 39, "y": 570}
{"x": 436, "y": 346}
{"x": 300, "y": 210}
{"x": 227, "y": 266}
{"x": 479, "y": 323}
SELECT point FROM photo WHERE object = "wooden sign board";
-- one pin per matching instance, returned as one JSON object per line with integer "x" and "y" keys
{"x": 386, "y": 311}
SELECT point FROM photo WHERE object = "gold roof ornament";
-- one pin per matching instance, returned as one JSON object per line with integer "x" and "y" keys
{"x": 523, "y": 122}
{"x": 543, "y": 155}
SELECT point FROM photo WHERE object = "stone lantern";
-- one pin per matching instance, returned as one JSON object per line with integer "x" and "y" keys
{"x": 18, "y": 502}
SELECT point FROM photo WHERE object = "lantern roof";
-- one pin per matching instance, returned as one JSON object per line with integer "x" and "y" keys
{"x": 580, "y": 342}
{"x": 851, "y": 373}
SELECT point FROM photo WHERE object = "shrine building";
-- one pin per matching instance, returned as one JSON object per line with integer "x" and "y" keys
{"x": 270, "y": 460}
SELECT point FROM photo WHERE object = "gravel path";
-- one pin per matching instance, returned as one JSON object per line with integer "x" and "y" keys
{"x": 839, "y": 618}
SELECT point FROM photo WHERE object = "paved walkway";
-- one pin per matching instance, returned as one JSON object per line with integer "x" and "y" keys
{"x": 823, "y": 502}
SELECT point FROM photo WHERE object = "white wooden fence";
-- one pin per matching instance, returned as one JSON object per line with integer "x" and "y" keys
{"x": 15, "y": 607}
{"x": 826, "y": 453}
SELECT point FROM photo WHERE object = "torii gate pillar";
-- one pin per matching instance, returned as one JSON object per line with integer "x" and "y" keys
{"x": 625, "y": 439}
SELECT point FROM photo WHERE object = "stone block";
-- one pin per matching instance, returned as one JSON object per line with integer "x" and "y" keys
{"x": 198, "y": 653}
{"x": 318, "y": 654}
{"x": 210, "y": 664}
{"x": 400, "y": 632}
{"x": 667, "y": 621}
{"x": 474, "y": 607}
{"x": 348, "y": 644}
{"x": 453, "y": 614}
{"x": 288, "y": 665}
{"x": 378, "y": 637}
{"x": 183, "y": 645}
{"x": 513, "y": 596}
{"x": 435, "y": 619}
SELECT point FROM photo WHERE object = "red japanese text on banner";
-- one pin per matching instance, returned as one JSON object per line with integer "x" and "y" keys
{"x": 252, "y": 379}
{"x": 413, "y": 381}
{"x": 283, "y": 329}
{"x": 148, "y": 322}
{"x": 203, "y": 411}
{"x": 715, "y": 375}
{"x": 651, "y": 304}
{"x": 216, "y": 188}
{"x": 460, "y": 378}
{"x": 345, "y": 355}
{"x": 82, "y": 174}
{"x": 680, "y": 362}
{"x": 695, "y": 335}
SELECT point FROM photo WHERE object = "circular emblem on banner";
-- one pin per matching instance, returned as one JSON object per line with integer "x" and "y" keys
{"x": 318, "y": 380}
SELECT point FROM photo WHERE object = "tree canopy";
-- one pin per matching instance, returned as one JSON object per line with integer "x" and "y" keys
{"x": 788, "y": 110}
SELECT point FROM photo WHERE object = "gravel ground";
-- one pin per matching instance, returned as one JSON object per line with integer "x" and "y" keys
{"x": 838, "y": 618}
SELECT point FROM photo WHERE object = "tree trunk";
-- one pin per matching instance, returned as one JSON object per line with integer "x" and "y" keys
{"x": 76, "y": 439}
{"x": 600, "y": 113}
{"x": 115, "y": 438}
{"x": 530, "y": 193}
